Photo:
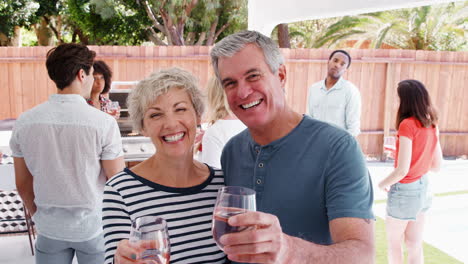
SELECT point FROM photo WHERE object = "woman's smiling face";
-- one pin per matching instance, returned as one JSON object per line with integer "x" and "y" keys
{"x": 171, "y": 122}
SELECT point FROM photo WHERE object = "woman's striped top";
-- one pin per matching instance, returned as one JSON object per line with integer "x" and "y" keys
{"x": 188, "y": 212}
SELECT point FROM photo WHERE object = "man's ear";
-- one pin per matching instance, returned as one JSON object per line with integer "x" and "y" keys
{"x": 81, "y": 75}
{"x": 282, "y": 75}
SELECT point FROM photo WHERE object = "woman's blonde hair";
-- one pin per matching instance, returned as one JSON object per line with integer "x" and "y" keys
{"x": 158, "y": 83}
{"x": 218, "y": 107}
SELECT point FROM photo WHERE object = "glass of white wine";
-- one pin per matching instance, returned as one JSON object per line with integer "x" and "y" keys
{"x": 150, "y": 236}
{"x": 113, "y": 109}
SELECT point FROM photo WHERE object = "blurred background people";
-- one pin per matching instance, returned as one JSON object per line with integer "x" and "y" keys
{"x": 223, "y": 124}
{"x": 99, "y": 97}
{"x": 167, "y": 107}
{"x": 417, "y": 152}
{"x": 63, "y": 150}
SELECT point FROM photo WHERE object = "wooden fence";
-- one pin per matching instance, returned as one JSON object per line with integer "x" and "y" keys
{"x": 24, "y": 82}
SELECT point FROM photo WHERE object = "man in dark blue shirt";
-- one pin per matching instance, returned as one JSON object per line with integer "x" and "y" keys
{"x": 314, "y": 195}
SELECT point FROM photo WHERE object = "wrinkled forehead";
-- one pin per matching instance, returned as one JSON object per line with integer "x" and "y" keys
{"x": 248, "y": 58}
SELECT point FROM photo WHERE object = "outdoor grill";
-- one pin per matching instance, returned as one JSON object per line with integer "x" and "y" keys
{"x": 135, "y": 146}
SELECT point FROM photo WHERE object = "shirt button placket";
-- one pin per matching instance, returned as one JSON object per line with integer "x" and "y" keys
{"x": 260, "y": 175}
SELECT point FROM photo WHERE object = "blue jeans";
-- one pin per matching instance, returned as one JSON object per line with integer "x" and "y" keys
{"x": 51, "y": 251}
{"x": 406, "y": 200}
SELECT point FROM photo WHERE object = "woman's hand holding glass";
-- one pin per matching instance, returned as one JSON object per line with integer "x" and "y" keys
{"x": 148, "y": 243}
{"x": 113, "y": 109}
{"x": 127, "y": 253}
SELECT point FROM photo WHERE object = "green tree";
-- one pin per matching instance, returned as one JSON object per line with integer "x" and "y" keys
{"x": 96, "y": 23}
{"x": 185, "y": 22}
{"x": 305, "y": 33}
{"x": 50, "y": 21}
{"x": 15, "y": 14}
{"x": 438, "y": 27}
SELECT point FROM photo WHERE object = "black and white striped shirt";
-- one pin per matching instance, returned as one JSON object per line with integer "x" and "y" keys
{"x": 188, "y": 212}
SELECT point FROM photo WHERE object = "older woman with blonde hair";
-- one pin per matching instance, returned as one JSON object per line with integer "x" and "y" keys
{"x": 167, "y": 107}
{"x": 223, "y": 124}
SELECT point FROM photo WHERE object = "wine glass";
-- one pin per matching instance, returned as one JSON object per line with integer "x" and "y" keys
{"x": 231, "y": 201}
{"x": 113, "y": 108}
{"x": 149, "y": 235}
{"x": 390, "y": 146}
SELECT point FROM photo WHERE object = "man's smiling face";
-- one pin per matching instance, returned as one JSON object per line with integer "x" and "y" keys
{"x": 255, "y": 94}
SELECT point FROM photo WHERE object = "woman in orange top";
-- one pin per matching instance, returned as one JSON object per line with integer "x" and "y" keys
{"x": 417, "y": 151}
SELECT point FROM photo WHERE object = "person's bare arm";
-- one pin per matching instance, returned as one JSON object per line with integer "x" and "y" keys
{"x": 404, "y": 161}
{"x": 24, "y": 184}
{"x": 112, "y": 167}
{"x": 353, "y": 242}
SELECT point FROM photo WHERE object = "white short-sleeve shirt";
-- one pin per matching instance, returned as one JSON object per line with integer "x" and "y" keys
{"x": 63, "y": 142}
{"x": 340, "y": 105}
{"x": 215, "y": 137}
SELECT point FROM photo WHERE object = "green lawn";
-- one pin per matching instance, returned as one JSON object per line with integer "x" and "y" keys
{"x": 432, "y": 255}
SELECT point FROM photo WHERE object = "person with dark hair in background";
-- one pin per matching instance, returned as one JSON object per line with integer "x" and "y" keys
{"x": 313, "y": 192}
{"x": 102, "y": 83}
{"x": 417, "y": 152}
{"x": 336, "y": 100}
{"x": 63, "y": 150}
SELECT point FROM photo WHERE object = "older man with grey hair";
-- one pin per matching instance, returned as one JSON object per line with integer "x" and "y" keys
{"x": 314, "y": 194}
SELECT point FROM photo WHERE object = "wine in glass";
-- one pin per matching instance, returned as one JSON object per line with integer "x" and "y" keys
{"x": 231, "y": 201}
{"x": 390, "y": 146}
{"x": 149, "y": 235}
{"x": 113, "y": 108}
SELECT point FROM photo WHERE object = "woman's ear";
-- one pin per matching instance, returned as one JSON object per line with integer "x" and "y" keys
{"x": 143, "y": 131}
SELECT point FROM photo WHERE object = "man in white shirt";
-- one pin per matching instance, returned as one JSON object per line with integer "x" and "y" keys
{"x": 336, "y": 100}
{"x": 63, "y": 151}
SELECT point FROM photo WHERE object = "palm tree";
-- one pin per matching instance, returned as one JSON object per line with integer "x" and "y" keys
{"x": 305, "y": 33}
{"x": 439, "y": 27}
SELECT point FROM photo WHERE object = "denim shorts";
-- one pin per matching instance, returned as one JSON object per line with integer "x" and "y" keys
{"x": 406, "y": 200}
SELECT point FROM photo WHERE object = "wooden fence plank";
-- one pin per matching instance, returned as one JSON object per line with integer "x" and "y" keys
{"x": 16, "y": 94}
{"x": 5, "y": 90}
{"x": 26, "y": 74}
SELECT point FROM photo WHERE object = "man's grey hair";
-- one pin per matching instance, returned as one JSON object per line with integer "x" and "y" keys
{"x": 232, "y": 44}
{"x": 158, "y": 83}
